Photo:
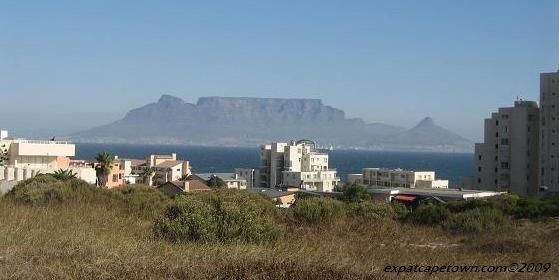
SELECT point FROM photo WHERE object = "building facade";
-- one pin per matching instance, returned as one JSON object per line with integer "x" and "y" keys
{"x": 297, "y": 164}
{"x": 507, "y": 160}
{"x": 549, "y": 131}
{"x": 397, "y": 178}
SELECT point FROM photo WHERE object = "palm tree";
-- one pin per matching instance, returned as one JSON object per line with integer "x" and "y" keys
{"x": 3, "y": 155}
{"x": 105, "y": 164}
{"x": 148, "y": 175}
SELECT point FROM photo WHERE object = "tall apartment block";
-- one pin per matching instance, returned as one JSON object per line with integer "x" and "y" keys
{"x": 549, "y": 131}
{"x": 297, "y": 164}
{"x": 507, "y": 160}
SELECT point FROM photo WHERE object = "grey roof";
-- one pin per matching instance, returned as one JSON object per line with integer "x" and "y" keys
{"x": 446, "y": 193}
{"x": 224, "y": 176}
{"x": 169, "y": 163}
{"x": 273, "y": 193}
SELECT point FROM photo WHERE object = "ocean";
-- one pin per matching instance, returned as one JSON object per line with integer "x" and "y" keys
{"x": 226, "y": 159}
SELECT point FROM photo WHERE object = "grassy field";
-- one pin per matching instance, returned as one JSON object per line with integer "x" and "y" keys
{"x": 103, "y": 239}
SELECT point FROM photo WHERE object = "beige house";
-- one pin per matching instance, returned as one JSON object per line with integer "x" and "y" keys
{"x": 166, "y": 168}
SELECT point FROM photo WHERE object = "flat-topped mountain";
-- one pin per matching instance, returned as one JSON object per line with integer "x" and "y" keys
{"x": 245, "y": 121}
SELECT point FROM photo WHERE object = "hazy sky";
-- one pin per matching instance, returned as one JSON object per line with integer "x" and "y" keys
{"x": 71, "y": 65}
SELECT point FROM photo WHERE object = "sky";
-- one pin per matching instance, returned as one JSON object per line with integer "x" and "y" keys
{"x": 67, "y": 66}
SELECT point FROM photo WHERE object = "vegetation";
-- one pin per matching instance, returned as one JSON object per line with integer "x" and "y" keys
{"x": 148, "y": 174}
{"x": 223, "y": 215}
{"x": 355, "y": 192}
{"x": 216, "y": 182}
{"x": 64, "y": 174}
{"x": 67, "y": 229}
{"x": 104, "y": 165}
{"x": 3, "y": 155}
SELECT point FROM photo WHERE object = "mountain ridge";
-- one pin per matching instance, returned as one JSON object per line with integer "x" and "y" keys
{"x": 248, "y": 121}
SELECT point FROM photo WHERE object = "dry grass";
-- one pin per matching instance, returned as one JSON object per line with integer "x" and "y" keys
{"x": 96, "y": 241}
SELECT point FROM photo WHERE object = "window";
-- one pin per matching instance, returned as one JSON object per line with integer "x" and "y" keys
{"x": 479, "y": 180}
{"x": 479, "y": 157}
{"x": 504, "y": 116}
{"x": 504, "y": 165}
{"x": 504, "y": 141}
{"x": 115, "y": 178}
{"x": 479, "y": 169}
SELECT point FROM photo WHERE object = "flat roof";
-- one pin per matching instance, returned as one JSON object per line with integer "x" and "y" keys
{"x": 448, "y": 193}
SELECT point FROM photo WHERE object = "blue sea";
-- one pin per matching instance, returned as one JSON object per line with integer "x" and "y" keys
{"x": 226, "y": 159}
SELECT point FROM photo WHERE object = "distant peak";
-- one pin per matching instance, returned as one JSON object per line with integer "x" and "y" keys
{"x": 166, "y": 98}
{"x": 428, "y": 121}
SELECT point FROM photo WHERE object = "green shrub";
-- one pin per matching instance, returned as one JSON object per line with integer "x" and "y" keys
{"x": 45, "y": 189}
{"x": 478, "y": 220}
{"x": 355, "y": 192}
{"x": 400, "y": 209}
{"x": 371, "y": 211}
{"x": 316, "y": 210}
{"x": 219, "y": 215}
{"x": 143, "y": 200}
{"x": 429, "y": 215}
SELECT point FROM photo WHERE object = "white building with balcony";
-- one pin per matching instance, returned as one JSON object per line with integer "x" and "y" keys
{"x": 297, "y": 164}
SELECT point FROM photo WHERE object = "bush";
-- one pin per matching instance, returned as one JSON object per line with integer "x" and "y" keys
{"x": 478, "y": 220}
{"x": 220, "y": 215}
{"x": 45, "y": 189}
{"x": 429, "y": 215}
{"x": 143, "y": 200}
{"x": 316, "y": 210}
{"x": 371, "y": 211}
{"x": 400, "y": 209}
{"x": 356, "y": 192}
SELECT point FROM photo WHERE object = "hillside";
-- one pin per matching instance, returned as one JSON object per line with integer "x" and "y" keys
{"x": 243, "y": 121}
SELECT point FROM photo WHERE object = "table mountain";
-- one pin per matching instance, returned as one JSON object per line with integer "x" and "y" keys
{"x": 244, "y": 121}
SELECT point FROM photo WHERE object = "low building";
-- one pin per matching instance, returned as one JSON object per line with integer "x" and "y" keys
{"x": 398, "y": 178}
{"x": 166, "y": 168}
{"x": 409, "y": 194}
{"x": 173, "y": 188}
{"x": 232, "y": 180}
{"x": 251, "y": 175}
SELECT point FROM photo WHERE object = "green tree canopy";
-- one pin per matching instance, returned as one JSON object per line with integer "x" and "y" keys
{"x": 216, "y": 182}
{"x": 105, "y": 163}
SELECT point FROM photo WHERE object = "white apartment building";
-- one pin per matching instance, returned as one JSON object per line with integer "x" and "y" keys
{"x": 397, "y": 178}
{"x": 549, "y": 131}
{"x": 297, "y": 164}
{"x": 507, "y": 160}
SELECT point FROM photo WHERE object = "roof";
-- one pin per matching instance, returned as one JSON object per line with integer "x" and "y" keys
{"x": 193, "y": 185}
{"x": 169, "y": 164}
{"x": 197, "y": 185}
{"x": 135, "y": 162}
{"x": 273, "y": 193}
{"x": 444, "y": 193}
{"x": 405, "y": 197}
{"x": 227, "y": 177}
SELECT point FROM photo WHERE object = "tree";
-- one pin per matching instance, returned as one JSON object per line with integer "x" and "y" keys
{"x": 104, "y": 165}
{"x": 3, "y": 155}
{"x": 64, "y": 174}
{"x": 148, "y": 174}
{"x": 216, "y": 182}
{"x": 355, "y": 192}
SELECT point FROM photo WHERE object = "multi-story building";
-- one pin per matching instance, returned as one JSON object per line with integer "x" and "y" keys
{"x": 549, "y": 131}
{"x": 297, "y": 164}
{"x": 251, "y": 175}
{"x": 507, "y": 160}
{"x": 397, "y": 178}
{"x": 166, "y": 168}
